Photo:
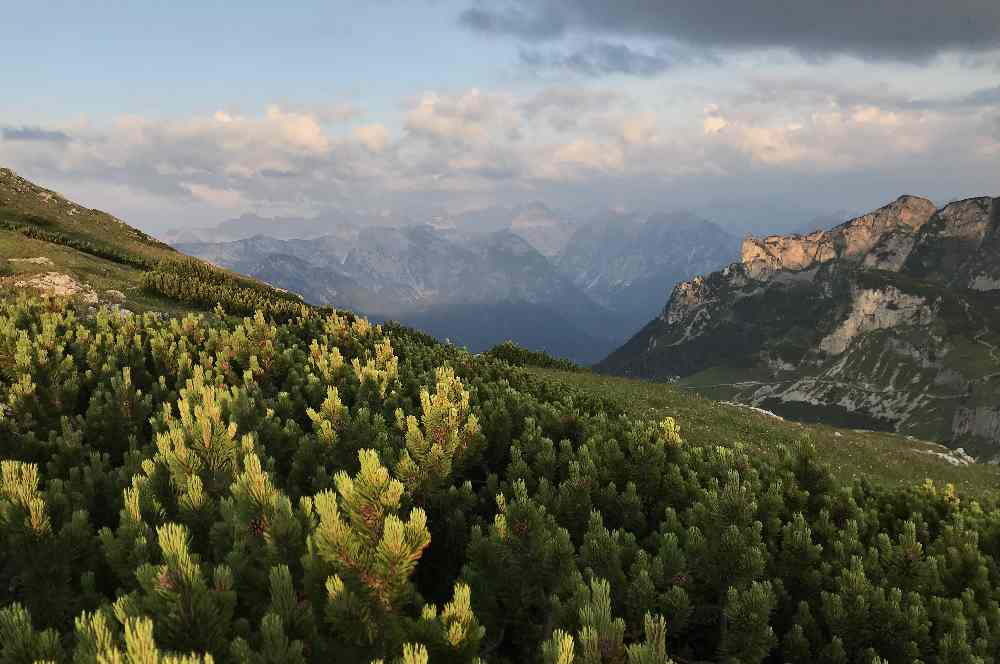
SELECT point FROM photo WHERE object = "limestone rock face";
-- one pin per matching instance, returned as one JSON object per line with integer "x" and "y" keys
{"x": 980, "y": 421}
{"x": 764, "y": 257}
{"x": 965, "y": 220}
{"x": 877, "y": 309}
{"x": 981, "y": 271}
{"x": 960, "y": 246}
{"x": 889, "y": 229}
{"x": 889, "y": 317}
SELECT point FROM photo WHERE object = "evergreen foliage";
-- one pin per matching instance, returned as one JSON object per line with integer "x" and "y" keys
{"x": 198, "y": 284}
{"x": 302, "y": 486}
{"x": 512, "y": 353}
{"x": 86, "y": 246}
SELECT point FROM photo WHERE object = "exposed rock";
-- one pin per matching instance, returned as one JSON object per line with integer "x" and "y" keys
{"x": 984, "y": 282}
{"x": 39, "y": 260}
{"x": 763, "y": 257}
{"x": 960, "y": 245}
{"x": 981, "y": 421}
{"x": 891, "y": 226}
{"x": 955, "y": 457}
{"x": 755, "y": 409}
{"x": 56, "y": 283}
{"x": 114, "y": 295}
{"x": 689, "y": 295}
{"x": 877, "y": 310}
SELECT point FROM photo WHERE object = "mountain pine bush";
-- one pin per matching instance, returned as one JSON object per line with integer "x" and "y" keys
{"x": 296, "y": 485}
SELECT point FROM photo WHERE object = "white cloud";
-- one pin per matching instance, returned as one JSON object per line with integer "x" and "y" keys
{"x": 481, "y": 146}
{"x": 221, "y": 198}
{"x": 874, "y": 115}
{"x": 374, "y": 136}
{"x": 714, "y": 122}
{"x": 468, "y": 117}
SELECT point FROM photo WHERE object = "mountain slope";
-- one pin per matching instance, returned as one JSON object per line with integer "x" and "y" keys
{"x": 886, "y": 321}
{"x": 51, "y": 245}
{"x": 475, "y": 290}
{"x": 628, "y": 263}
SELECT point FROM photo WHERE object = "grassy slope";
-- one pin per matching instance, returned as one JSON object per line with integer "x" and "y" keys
{"x": 28, "y": 206}
{"x": 884, "y": 458}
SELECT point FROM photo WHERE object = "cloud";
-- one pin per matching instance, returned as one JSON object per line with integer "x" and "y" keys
{"x": 374, "y": 136}
{"x": 571, "y": 98}
{"x": 905, "y": 30}
{"x": 222, "y": 198}
{"x": 600, "y": 59}
{"x": 465, "y": 118}
{"x": 33, "y": 134}
{"x": 579, "y": 145}
{"x": 531, "y": 25}
{"x": 713, "y": 122}
{"x": 983, "y": 97}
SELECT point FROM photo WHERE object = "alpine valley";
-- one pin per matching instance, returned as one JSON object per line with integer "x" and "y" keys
{"x": 888, "y": 321}
{"x": 525, "y": 273}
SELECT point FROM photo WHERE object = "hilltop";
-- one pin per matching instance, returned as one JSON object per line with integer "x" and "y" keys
{"x": 51, "y": 245}
{"x": 885, "y": 321}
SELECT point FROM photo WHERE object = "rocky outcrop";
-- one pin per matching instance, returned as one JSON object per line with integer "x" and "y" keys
{"x": 980, "y": 421}
{"x": 960, "y": 246}
{"x": 885, "y": 317}
{"x": 56, "y": 283}
{"x": 690, "y": 295}
{"x": 886, "y": 234}
{"x": 877, "y": 309}
{"x": 37, "y": 260}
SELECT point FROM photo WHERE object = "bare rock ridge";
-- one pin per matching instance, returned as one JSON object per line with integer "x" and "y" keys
{"x": 880, "y": 239}
{"x": 889, "y": 319}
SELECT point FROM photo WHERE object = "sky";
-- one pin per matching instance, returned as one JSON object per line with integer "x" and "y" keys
{"x": 754, "y": 113}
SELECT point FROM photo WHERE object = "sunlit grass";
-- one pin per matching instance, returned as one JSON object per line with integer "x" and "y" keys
{"x": 883, "y": 458}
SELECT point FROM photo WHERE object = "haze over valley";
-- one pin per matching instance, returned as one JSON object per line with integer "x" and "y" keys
{"x": 577, "y": 289}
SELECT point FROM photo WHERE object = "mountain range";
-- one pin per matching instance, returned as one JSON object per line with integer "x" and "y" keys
{"x": 890, "y": 320}
{"x": 526, "y": 273}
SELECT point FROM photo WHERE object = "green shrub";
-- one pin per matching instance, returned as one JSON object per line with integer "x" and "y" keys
{"x": 320, "y": 489}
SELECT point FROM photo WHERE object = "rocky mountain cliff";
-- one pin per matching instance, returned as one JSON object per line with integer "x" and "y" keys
{"x": 889, "y": 320}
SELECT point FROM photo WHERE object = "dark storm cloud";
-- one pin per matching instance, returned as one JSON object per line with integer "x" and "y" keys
{"x": 982, "y": 98}
{"x": 600, "y": 59}
{"x": 534, "y": 25}
{"x": 909, "y": 30}
{"x": 33, "y": 134}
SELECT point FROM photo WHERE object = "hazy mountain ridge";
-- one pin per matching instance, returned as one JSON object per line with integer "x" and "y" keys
{"x": 467, "y": 289}
{"x": 889, "y": 318}
{"x": 629, "y": 262}
{"x": 598, "y": 281}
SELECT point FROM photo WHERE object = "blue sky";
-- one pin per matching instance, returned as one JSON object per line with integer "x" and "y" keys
{"x": 184, "y": 114}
